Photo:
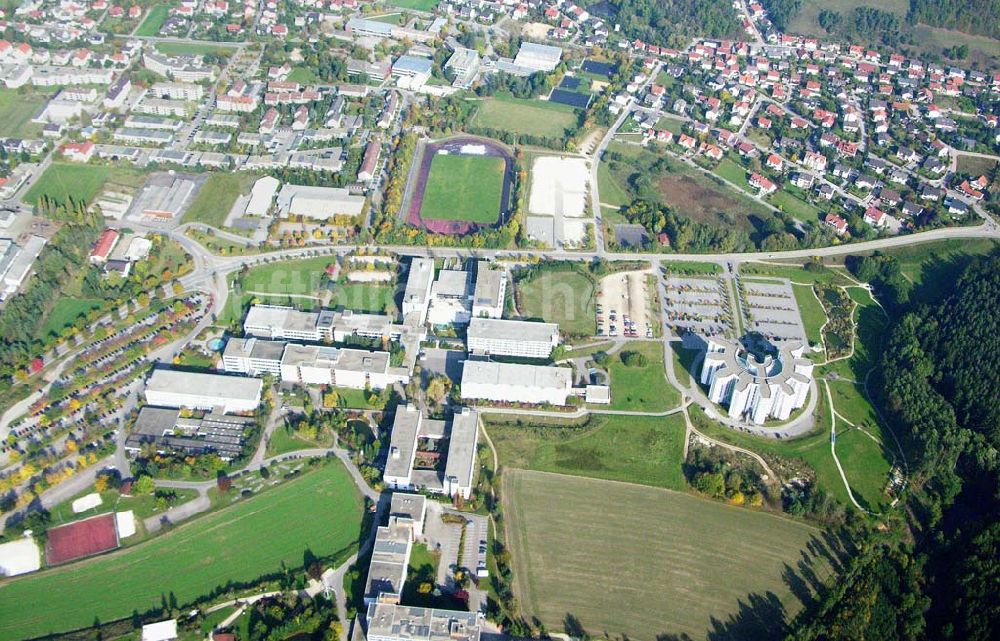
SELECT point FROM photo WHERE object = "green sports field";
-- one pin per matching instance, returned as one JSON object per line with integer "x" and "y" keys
{"x": 320, "y": 512}
{"x": 600, "y": 557}
{"x": 525, "y": 116}
{"x": 465, "y": 188}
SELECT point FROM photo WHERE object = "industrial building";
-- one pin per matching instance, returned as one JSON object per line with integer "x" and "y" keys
{"x": 321, "y": 203}
{"x": 195, "y": 390}
{"x": 538, "y": 57}
{"x": 261, "y": 196}
{"x": 415, "y": 460}
{"x": 168, "y": 432}
{"x": 516, "y": 383}
{"x": 496, "y": 337}
{"x": 766, "y": 383}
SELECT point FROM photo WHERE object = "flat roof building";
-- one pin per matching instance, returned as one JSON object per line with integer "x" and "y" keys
{"x": 491, "y": 290}
{"x": 167, "y": 431}
{"x": 406, "y": 469}
{"x": 319, "y": 203}
{"x": 391, "y": 622}
{"x": 498, "y": 337}
{"x": 196, "y": 390}
{"x": 451, "y": 298}
{"x": 538, "y": 57}
{"x": 262, "y": 195}
{"x": 390, "y": 559}
{"x": 516, "y": 383}
{"x": 417, "y": 295}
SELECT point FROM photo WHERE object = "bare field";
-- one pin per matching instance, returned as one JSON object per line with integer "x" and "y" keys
{"x": 700, "y": 201}
{"x": 639, "y": 562}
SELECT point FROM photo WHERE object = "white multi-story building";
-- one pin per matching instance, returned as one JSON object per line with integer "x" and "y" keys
{"x": 451, "y": 298}
{"x": 253, "y": 356}
{"x": 393, "y": 622}
{"x": 177, "y": 91}
{"x": 756, "y": 387}
{"x": 417, "y": 295}
{"x": 491, "y": 291}
{"x": 195, "y": 390}
{"x": 402, "y": 469}
{"x": 496, "y": 337}
{"x": 516, "y": 383}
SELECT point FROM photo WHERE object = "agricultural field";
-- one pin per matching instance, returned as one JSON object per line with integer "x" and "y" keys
{"x": 194, "y": 558}
{"x": 526, "y": 117}
{"x": 641, "y": 389}
{"x": 647, "y": 563}
{"x": 467, "y": 188}
{"x": 216, "y": 197}
{"x": 635, "y": 449}
{"x": 155, "y": 18}
{"x": 564, "y": 296}
{"x": 16, "y": 110}
{"x": 63, "y": 182}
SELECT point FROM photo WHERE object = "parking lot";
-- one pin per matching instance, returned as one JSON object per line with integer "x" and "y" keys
{"x": 622, "y": 304}
{"x": 698, "y": 305}
{"x": 769, "y": 307}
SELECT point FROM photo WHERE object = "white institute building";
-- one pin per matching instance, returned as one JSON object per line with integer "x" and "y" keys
{"x": 417, "y": 295}
{"x": 409, "y": 427}
{"x": 756, "y": 388}
{"x": 497, "y": 337}
{"x": 516, "y": 383}
{"x": 201, "y": 391}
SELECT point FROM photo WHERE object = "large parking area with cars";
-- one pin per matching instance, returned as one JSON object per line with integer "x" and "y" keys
{"x": 699, "y": 305}
{"x": 769, "y": 307}
{"x": 622, "y": 304}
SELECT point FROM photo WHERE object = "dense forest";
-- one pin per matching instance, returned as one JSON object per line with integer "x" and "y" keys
{"x": 672, "y": 23}
{"x": 934, "y": 576}
{"x": 971, "y": 16}
{"x": 781, "y": 12}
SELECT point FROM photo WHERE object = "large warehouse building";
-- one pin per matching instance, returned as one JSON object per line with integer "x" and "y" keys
{"x": 756, "y": 387}
{"x": 319, "y": 203}
{"x": 195, "y": 390}
{"x": 497, "y": 337}
{"x": 516, "y": 383}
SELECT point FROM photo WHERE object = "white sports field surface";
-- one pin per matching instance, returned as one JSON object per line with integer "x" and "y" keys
{"x": 558, "y": 187}
{"x": 87, "y": 502}
{"x": 19, "y": 557}
{"x": 125, "y": 522}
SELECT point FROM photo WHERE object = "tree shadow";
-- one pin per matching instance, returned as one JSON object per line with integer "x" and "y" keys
{"x": 760, "y": 616}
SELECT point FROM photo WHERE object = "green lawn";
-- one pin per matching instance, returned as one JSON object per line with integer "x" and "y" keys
{"x": 611, "y": 192}
{"x": 390, "y": 18}
{"x": 642, "y": 389}
{"x": 637, "y": 449}
{"x": 466, "y": 188}
{"x": 364, "y": 297}
{"x": 870, "y": 323}
{"x": 866, "y": 460}
{"x": 303, "y": 75}
{"x": 561, "y": 296}
{"x": 933, "y": 267}
{"x": 63, "y": 182}
{"x": 193, "y": 48}
{"x": 296, "y": 277}
{"x": 416, "y": 5}
{"x": 65, "y": 312}
{"x": 216, "y": 197}
{"x": 285, "y": 440}
{"x": 795, "y": 273}
{"x": 691, "y": 268}
{"x": 143, "y": 506}
{"x": 813, "y": 316}
{"x": 525, "y": 116}
{"x": 155, "y": 18}
{"x": 321, "y": 512}
{"x": 16, "y": 110}
{"x": 635, "y": 562}
{"x": 794, "y": 206}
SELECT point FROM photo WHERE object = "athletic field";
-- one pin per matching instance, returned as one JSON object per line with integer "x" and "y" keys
{"x": 639, "y": 562}
{"x": 320, "y": 512}
{"x": 466, "y": 188}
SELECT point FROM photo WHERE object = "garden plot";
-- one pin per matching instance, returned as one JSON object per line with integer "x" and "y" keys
{"x": 770, "y": 309}
{"x": 622, "y": 296}
{"x": 698, "y": 305}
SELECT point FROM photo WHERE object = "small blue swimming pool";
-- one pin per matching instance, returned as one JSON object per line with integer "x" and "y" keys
{"x": 216, "y": 344}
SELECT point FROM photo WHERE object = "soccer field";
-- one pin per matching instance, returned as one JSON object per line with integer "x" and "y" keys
{"x": 639, "y": 562}
{"x": 320, "y": 512}
{"x": 465, "y": 188}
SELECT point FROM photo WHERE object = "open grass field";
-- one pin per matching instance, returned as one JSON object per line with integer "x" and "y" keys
{"x": 465, "y": 188}
{"x": 795, "y": 273}
{"x": 794, "y": 206}
{"x": 642, "y": 389}
{"x": 303, "y": 75}
{"x": 320, "y": 512}
{"x": 364, "y": 297}
{"x": 561, "y": 296}
{"x": 63, "y": 182}
{"x": 523, "y": 116}
{"x": 611, "y": 192}
{"x": 813, "y": 316}
{"x": 16, "y": 110}
{"x": 216, "y": 197}
{"x": 296, "y": 277}
{"x": 865, "y": 450}
{"x": 975, "y": 165}
{"x": 194, "y": 48}
{"x": 155, "y": 18}
{"x": 65, "y": 312}
{"x": 734, "y": 173}
{"x": 416, "y": 5}
{"x": 636, "y": 449}
{"x": 638, "y": 562}
{"x": 807, "y": 20}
